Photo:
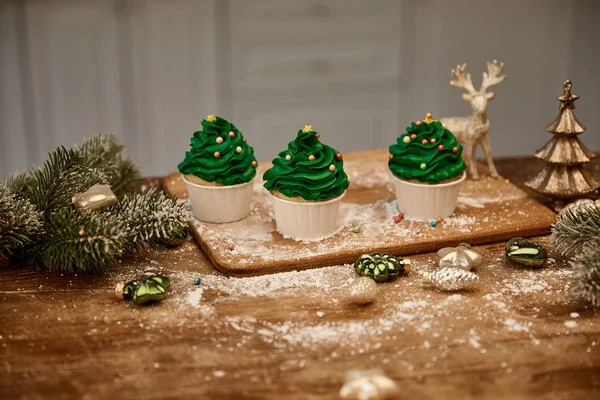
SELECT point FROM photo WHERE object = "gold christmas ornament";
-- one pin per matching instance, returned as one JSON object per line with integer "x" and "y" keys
{"x": 461, "y": 256}
{"x": 564, "y": 175}
{"x": 579, "y": 205}
{"x": 96, "y": 198}
{"x": 369, "y": 384}
{"x": 363, "y": 290}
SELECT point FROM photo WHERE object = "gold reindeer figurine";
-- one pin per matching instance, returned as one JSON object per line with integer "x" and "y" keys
{"x": 474, "y": 130}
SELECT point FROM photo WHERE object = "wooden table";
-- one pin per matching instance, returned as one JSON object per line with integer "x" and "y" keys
{"x": 519, "y": 336}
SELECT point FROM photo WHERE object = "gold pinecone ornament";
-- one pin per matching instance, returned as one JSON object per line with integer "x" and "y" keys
{"x": 564, "y": 176}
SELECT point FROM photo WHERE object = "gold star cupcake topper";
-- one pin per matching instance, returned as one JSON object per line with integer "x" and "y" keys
{"x": 428, "y": 118}
{"x": 210, "y": 118}
{"x": 307, "y": 128}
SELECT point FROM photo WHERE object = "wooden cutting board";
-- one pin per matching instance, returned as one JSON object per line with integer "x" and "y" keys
{"x": 489, "y": 210}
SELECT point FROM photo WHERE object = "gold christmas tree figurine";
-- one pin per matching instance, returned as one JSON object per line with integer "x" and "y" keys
{"x": 564, "y": 175}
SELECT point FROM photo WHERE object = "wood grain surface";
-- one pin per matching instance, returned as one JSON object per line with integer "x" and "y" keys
{"x": 293, "y": 335}
{"x": 489, "y": 210}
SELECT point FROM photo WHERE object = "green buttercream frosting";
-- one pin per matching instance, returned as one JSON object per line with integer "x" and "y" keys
{"x": 231, "y": 167}
{"x": 413, "y": 160}
{"x": 309, "y": 179}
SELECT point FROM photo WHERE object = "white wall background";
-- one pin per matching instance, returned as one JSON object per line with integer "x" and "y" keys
{"x": 359, "y": 71}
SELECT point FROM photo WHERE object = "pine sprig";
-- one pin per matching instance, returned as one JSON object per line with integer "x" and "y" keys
{"x": 81, "y": 241}
{"x": 586, "y": 274}
{"x": 64, "y": 174}
{"x": 105, "y": 153}
{"x": 155, "y": 218}
{"x": 19, "y": 183}
{"x": 20, "y": 223}
{"x": 572, "y": 230}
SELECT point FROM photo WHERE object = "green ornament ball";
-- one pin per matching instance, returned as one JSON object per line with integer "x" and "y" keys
{"x": 381, "y": 266}
{"x": 524, "y": 252}
{"x": 146, "y": 288}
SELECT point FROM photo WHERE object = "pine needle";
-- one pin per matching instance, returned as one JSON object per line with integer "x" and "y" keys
{"x": 20, "y": 223}
{"x": 586, "y": 274}
{"x": 106, "y": 153}
{"x": 64, "y": 174}
{"x": 81, "y": 241}
{"x": 572, "y": 230}
{"x": 155, "y": 218}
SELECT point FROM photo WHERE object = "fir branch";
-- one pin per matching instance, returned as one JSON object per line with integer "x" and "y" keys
{"x": 20, "y": 223}
{"x": 155, "y": 218}
{"x": 572, "y": 230}
{"x": 64, "y": 174}
{"x": 105, "y": 153}
{"x": 586, "y": 274}
{"x": 19, "y": 183}
{"x": 81, "y": 241}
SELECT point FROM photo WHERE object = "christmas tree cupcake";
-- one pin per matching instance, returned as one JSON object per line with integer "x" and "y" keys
{"x": 428, "y": 168}
{"x": 307, "y": 183}
{"x": 218, "y": 171}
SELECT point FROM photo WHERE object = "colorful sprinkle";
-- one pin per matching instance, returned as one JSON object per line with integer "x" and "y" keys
{"x": 413, "y": 135}
{"x": 425, "y": 141}
{"x": 311, "y": 157}
{"x": 238, "y": 149}
{"x": 338, "y": 156}
{"x": 423, "y": 166}
{"x": 455, "y": 149}
{"x": 217, "y": 154}
{"x": 318, "y": 135}
{"x": 417, "y": 123}
{"x": 441, "y": 147}
{"x": 230, "y": 247}
{"x": 356, "y": 228}
{"x": 332, "y": 167}
{"x": 406, "y": 139}
{"x": 434, "y": 223}
{"x": 231, "y": 134}
{"x": 254, "y": 164}
{"x": 433, "y": 140}
{"x": 288, "y": 157}
{"x": 197, "y": 281}
{"x": 219, "y": 140}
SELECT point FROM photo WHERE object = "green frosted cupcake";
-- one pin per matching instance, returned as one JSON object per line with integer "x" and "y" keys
{"x": 218, "y": 171}
{"x": 307, "y": 182}
{"x": 428, "y": 166}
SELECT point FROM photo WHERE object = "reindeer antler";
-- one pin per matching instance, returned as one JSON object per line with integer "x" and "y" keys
{"x": 462, "y": 79}
{"x": 491, "y": 77}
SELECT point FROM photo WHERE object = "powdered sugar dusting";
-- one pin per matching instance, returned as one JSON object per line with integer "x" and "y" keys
{"x": 256, "y": 241}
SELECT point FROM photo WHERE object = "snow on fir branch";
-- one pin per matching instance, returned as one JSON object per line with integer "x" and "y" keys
{"x": 572, "y": 230}
{"x": 577, "y": 233}
{"x": 80, "y": 241}
{"x": 106, "y": 153}
{"x": 155, "y": 218}
{"x": 586, "y": 274}
{"x": 20, "y": 222}
{"x": 63, "y": 174}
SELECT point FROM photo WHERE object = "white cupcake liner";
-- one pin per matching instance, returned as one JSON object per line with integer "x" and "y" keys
{"x": 219, "y": 204}
{"x": 308, "y": 221}
{"x": 427, "y": 201}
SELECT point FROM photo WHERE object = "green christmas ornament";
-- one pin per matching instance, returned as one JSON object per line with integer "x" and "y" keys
{"x": 524, "y": 252}
{"x": 381, "y": 266}
{"x": 143, "y": 289}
